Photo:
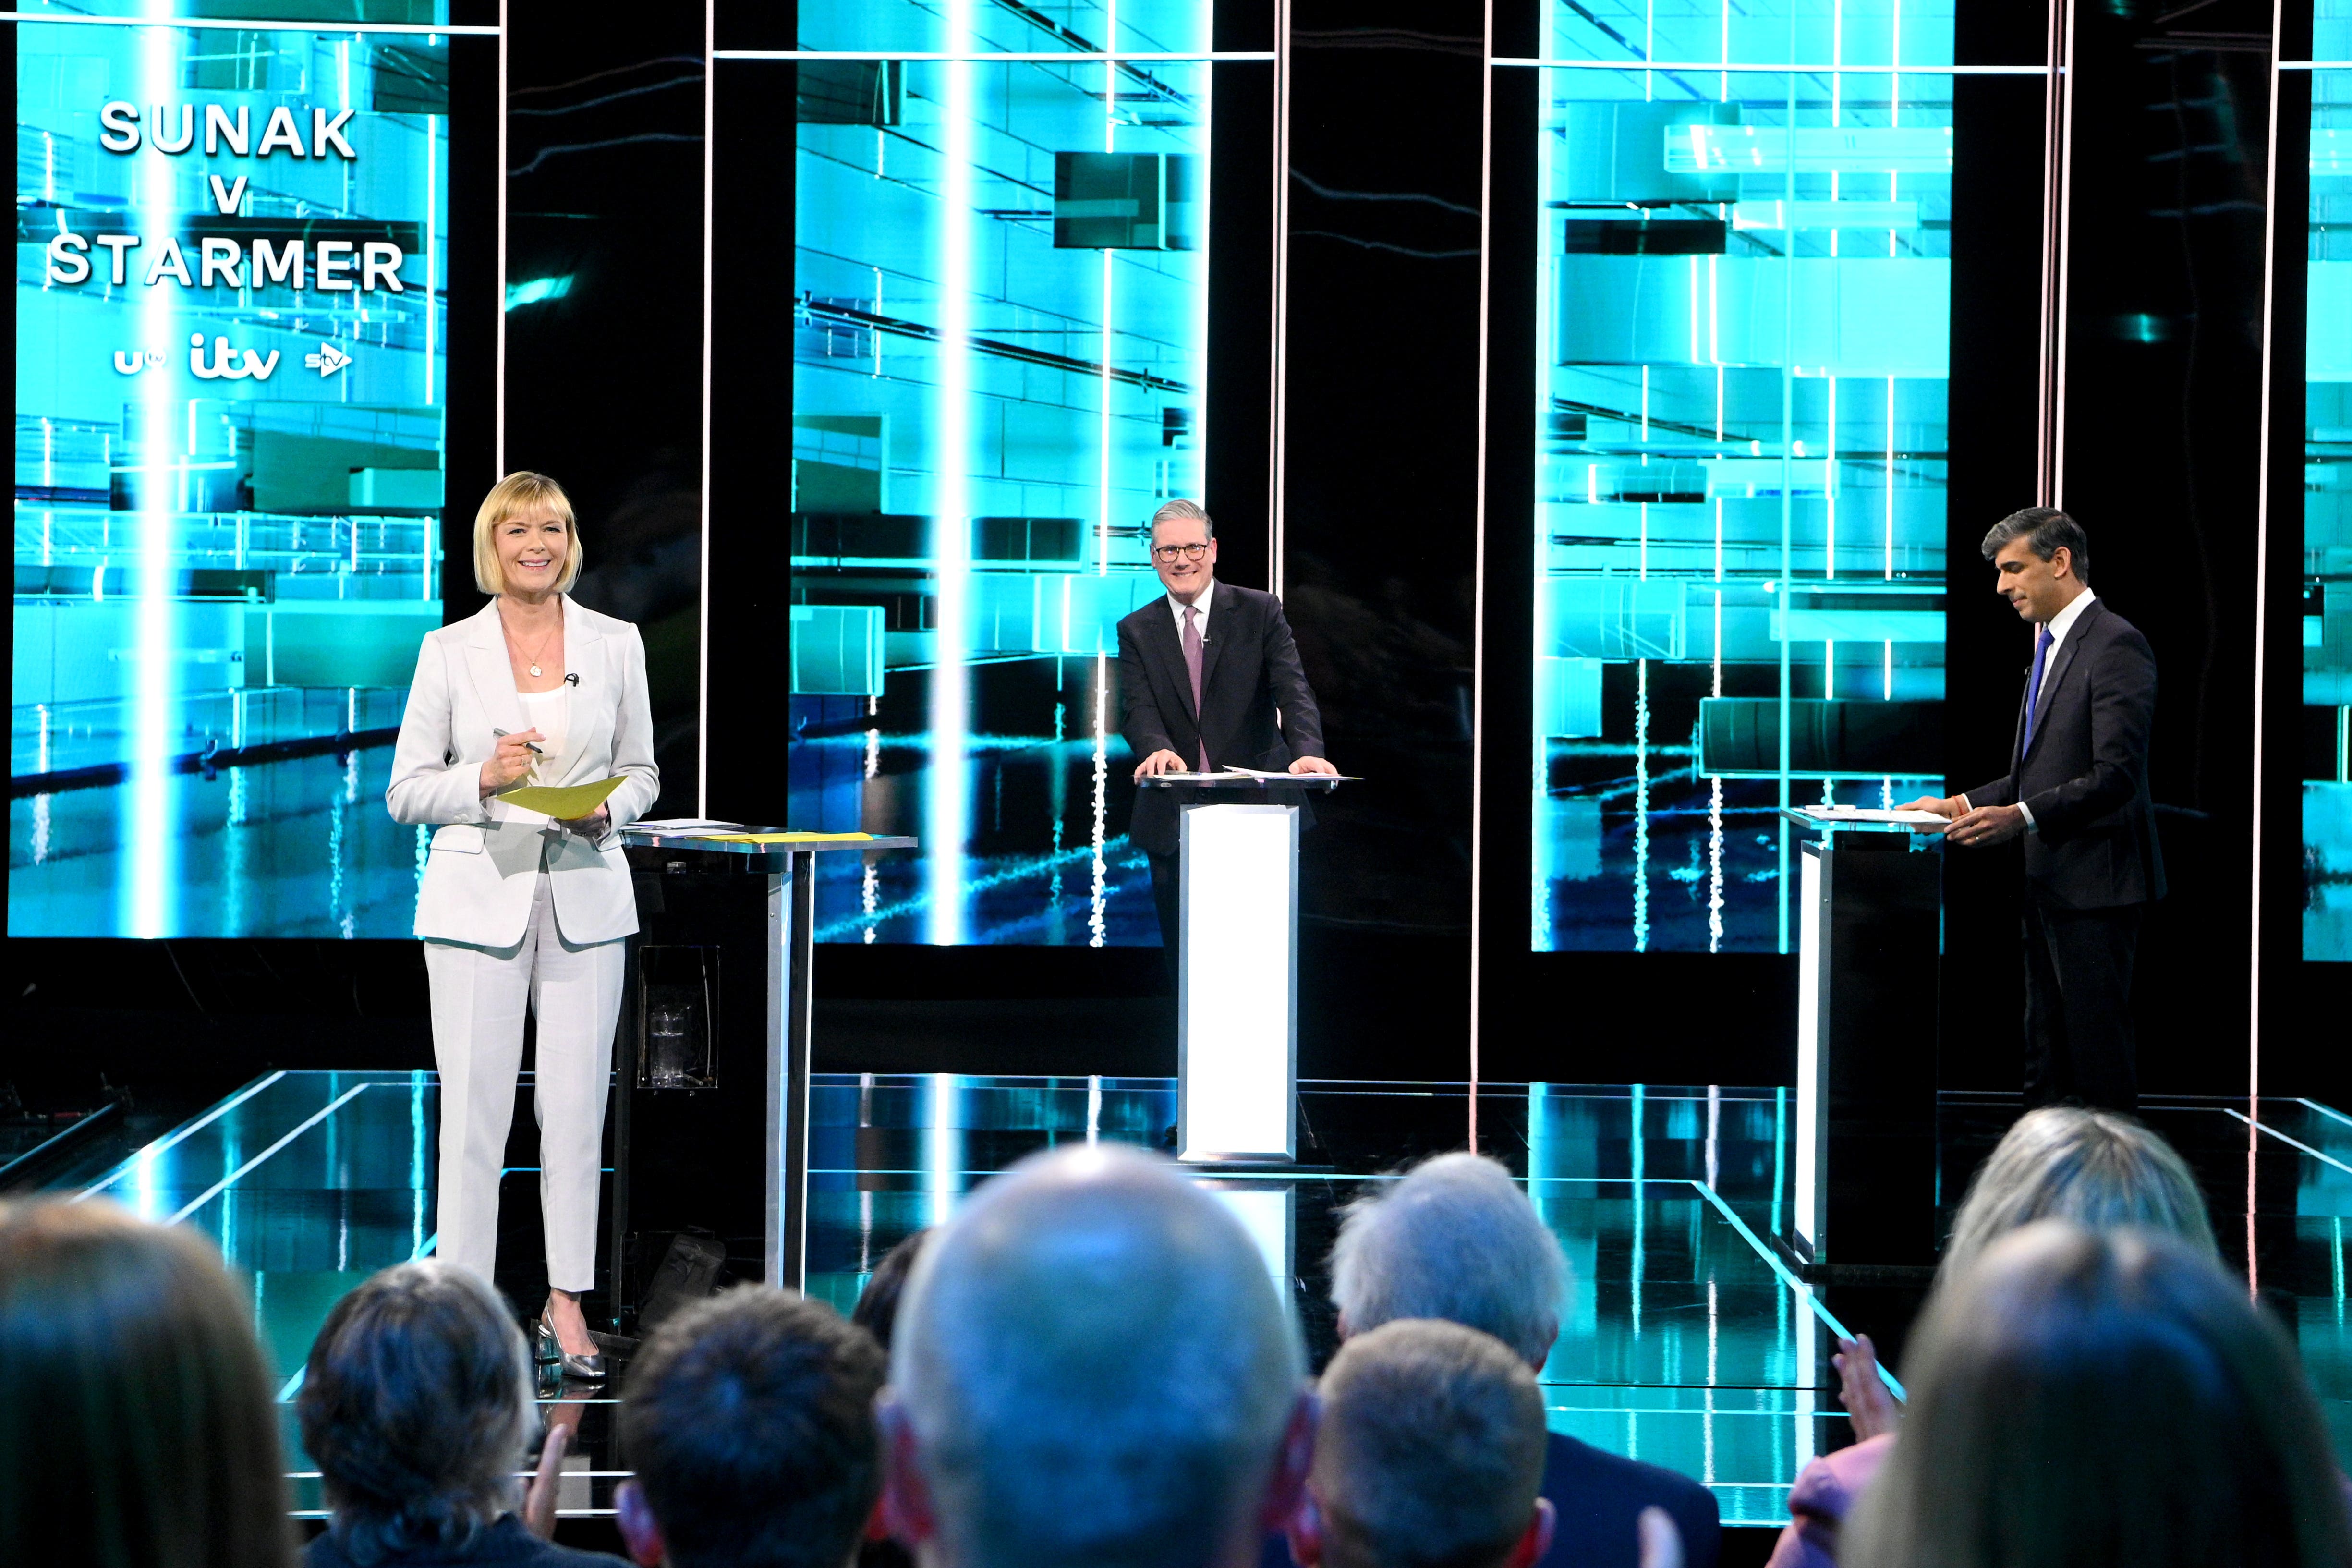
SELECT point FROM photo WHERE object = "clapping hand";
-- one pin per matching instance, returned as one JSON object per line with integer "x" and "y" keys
{"x": 1864, "y": 1392}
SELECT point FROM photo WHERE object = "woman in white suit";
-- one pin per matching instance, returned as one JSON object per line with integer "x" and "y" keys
{"x": 516, "y": 909}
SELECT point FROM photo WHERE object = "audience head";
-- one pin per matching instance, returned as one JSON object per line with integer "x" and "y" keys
{"x": 136, "y": 1429}
{"x": 750, "y": 1423}
{"x": 2082, "y": 1399}
{"x": 1429, "y": 1454}
{"x": 1456, "y": 1239}
{"x": 416, "y": 1407}
{"x": 877, "y": 1305}
{"x": 2093, "y": 1167}
{"x": 1092, "y": 1366}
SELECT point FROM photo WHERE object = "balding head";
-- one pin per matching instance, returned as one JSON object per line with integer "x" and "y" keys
{"x": 1091, "y": 1366}
{"x": 1456, "y": 1239}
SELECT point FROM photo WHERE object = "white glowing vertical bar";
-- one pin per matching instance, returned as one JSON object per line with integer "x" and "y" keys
{"x": 1889, "y": 572}
{"x": 946, "y": 810}
{"x": 432, "y": 243}
{"x": 1829, "y": 469}
{"x": 153, "y": 850}
{"x": 1102, "y": 437}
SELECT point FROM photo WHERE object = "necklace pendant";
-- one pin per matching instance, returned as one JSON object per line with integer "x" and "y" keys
{"x": 534, "y": 671}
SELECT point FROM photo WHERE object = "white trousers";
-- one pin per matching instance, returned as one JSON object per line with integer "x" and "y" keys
{"x": 479, "y": 994}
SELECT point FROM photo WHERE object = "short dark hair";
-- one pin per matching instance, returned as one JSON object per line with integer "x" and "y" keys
{"x": 2046, "y": 531}
{"x": 417, "y": 1404}
{"x": 1431, "y": 1448}
{"x": 877, "y": 1305}
{"x": 750, "y": 1423}
{"x": 135, "y": 1417}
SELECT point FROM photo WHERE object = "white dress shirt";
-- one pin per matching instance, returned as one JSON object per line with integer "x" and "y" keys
{"x": 1200, "y": 605}
{"x": 2060, "y": 625}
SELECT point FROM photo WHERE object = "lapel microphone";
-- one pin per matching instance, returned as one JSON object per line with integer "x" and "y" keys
{"x": 572, "y": 681}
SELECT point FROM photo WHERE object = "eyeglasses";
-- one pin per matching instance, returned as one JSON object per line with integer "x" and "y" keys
{"x": 1189, "y": 551}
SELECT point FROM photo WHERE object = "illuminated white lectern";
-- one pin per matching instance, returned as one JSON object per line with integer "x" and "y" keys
{"x": 1238, "y": 965}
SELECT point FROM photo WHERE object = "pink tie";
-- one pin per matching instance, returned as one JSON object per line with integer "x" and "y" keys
{"x": 1193, "y": 666}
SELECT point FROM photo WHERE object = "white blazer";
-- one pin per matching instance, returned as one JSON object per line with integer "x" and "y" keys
{"x": 486, "y": 858}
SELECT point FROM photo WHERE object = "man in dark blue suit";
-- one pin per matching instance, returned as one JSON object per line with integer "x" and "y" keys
{"x": 2076, "y": 791}
{"x": 1457, "y": 1240}
{"x": 1208, "y": 676}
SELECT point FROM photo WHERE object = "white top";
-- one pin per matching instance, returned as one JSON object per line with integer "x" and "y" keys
{"x": 482, "y": 873}
{"x": 547, "y": 712}
{"x": 2060, "y": 625}
{"x": 1199, "y": 605}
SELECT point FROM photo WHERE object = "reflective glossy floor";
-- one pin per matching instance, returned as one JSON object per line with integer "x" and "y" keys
{"x": 1688, "y": 1344}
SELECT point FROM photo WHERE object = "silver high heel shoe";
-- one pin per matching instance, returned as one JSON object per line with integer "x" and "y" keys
{"x": 549, "y": 1351}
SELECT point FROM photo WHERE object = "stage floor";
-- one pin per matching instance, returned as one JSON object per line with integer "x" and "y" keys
{"x": 1687, "y": 1343}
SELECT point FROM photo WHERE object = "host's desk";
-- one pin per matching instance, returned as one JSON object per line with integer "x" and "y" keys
{"x": 1870, "y": 914}
{"x": 710, "y": 1122}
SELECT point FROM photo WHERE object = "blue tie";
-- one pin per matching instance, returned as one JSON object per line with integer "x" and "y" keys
{"x": 2033, "y": 686}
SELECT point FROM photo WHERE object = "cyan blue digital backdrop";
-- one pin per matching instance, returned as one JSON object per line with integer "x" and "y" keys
{"x": 232, "y": 372}
{"x": 1743, "y": 345}
{"x": 1000, "y": 369}
{"x": 230, "y": 447}
{"x": 2327, "y": 569}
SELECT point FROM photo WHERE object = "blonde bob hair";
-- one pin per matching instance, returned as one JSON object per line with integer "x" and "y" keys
{"x": 509, "y": 498}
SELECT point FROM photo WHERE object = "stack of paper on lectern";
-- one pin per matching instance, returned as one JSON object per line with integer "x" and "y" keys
{"x": 1872, "y": 813}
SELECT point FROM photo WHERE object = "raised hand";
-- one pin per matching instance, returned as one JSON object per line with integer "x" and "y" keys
{"x": 510, "y": 765}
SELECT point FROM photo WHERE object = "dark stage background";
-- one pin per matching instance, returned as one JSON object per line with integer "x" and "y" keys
{"x": 603, "y": 390}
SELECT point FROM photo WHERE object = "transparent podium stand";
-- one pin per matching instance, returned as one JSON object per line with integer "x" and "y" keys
{"x": 1238, "y": 965}
{"x": 711, "y": 1123}
{"x": 1870, "y": 917}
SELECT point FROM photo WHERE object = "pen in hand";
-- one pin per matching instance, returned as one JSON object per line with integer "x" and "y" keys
{"x": 502, "y": 734}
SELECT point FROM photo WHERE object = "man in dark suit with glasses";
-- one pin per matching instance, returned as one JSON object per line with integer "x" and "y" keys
{"x": 1209, "y": 676}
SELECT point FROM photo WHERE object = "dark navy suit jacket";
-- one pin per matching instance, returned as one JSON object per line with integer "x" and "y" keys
{"x": 1599, "y": 1496}
{"x": 2093, "y": 844}
{"x": 1256, "y": 708}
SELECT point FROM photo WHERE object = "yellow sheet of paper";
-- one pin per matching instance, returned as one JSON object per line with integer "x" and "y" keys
{"x": 781, "y": 837}
{"x": 566, "y": 803}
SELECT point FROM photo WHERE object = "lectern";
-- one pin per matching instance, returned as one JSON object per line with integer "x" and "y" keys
{"x": 711, "y": 1125}
{"x": 1871, "y": 925}
{"x": 1238, "y": 964}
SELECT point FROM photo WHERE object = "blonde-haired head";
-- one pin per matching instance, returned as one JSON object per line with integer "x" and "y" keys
{"x": 511, "y": 497}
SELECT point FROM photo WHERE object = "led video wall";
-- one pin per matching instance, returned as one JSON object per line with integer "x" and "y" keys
{"x": 1000, "y": 309}
{"x": 2328, "y": 509}
{"x": 1742, "y": 351}
{"x": 230, "y": 383}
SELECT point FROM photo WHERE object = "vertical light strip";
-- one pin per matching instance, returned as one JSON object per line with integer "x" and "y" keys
{"x": 499, "y": 358}
{"x": 1275, "y": 543}
{"x": 945, "y": 809}
{"x": 1102, "y": 437}
{"x": 432, "y": 260}
{"x": 2262, "y": 631}
{"x": 153, "y": 848}
{"x": 2057, "y": 171}
{"x": 710, "y": 249}
{"x": 1479, "y": 546}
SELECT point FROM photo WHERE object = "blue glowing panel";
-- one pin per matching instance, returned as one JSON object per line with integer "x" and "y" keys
{"x": 231, "y": 370}
{"x": 1001, "y": 280}
{"x": 2327, "y": 621}
{"x": 1744, "y": 305}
